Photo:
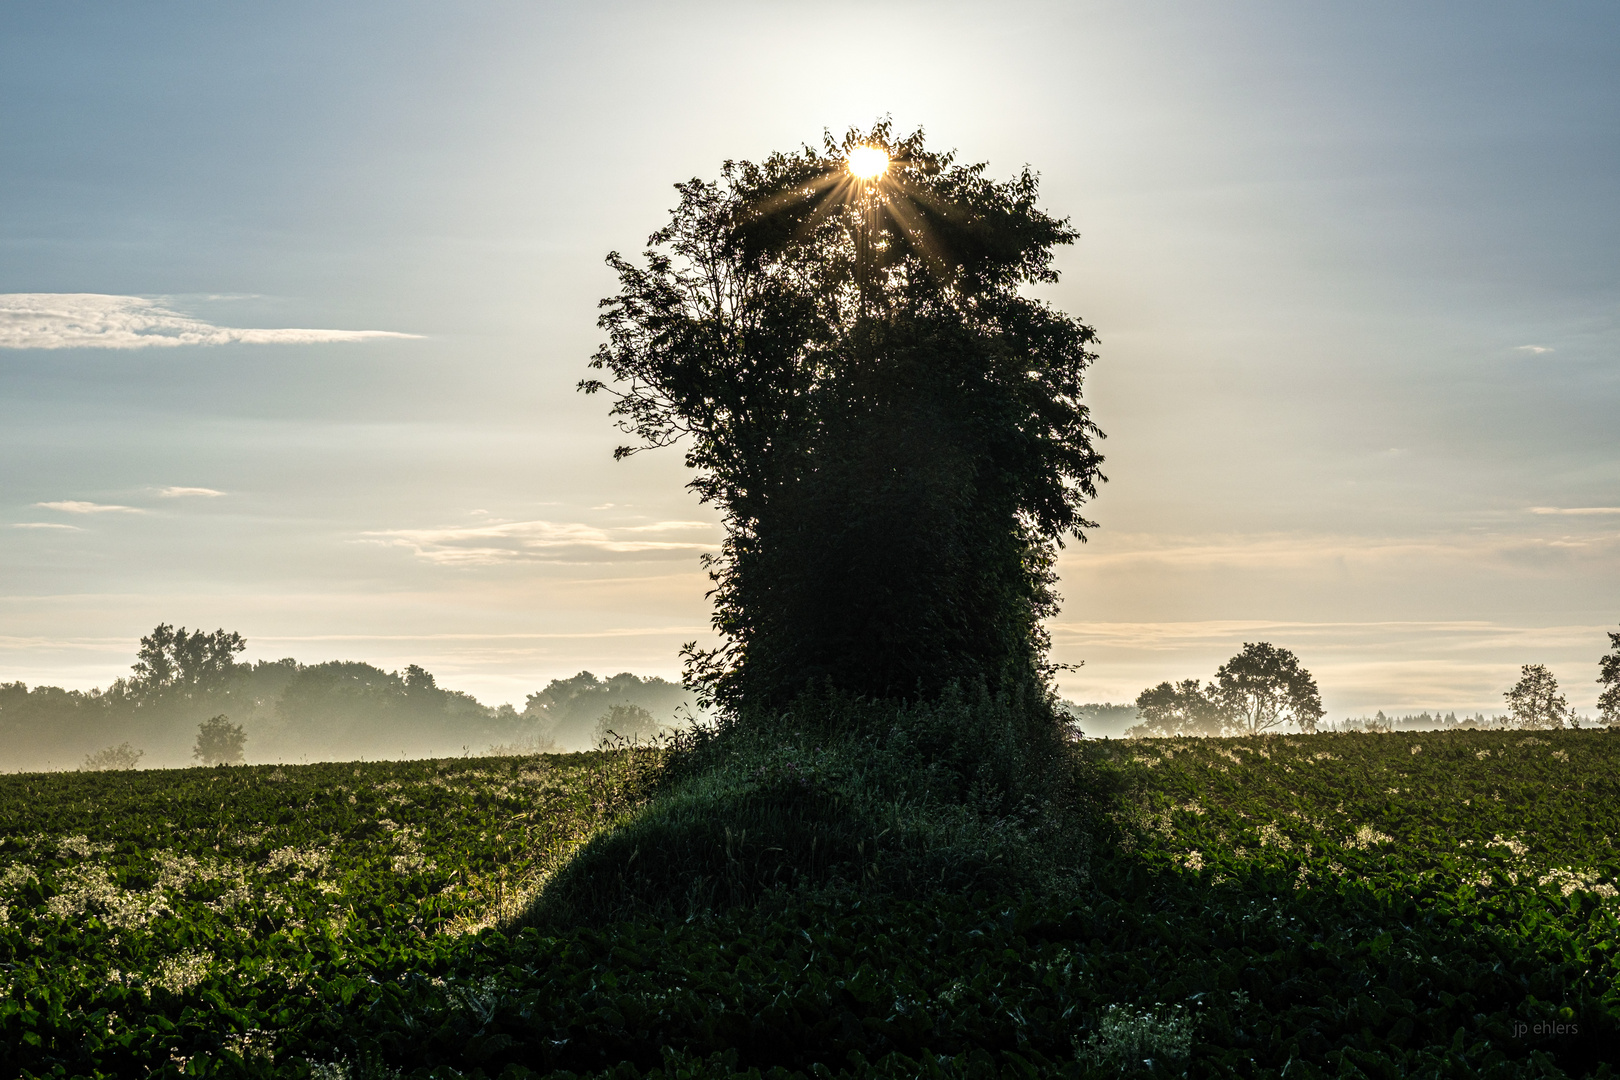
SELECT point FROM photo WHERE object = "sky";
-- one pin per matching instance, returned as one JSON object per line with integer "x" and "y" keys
{"x": 294, "y": 298}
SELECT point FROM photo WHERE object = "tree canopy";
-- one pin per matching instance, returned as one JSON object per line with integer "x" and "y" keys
{"x": 1609, "y": 679}
{"x": 1534, "y": 701}
{"x": 892, "y": 430}
{"x": 1263, "y": 687}
{"x": 219, "y": 742}
{"x": 1178, "y": 709}
{"x": 170, "y": 659}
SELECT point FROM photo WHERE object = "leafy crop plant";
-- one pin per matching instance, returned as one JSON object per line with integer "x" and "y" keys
{"x": 1427, "y": 904}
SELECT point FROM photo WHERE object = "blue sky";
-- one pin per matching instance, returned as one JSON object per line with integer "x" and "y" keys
{"x": 1354, "y": 268}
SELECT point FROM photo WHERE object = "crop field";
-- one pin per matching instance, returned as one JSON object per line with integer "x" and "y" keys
{"x": 1420, "y": 904}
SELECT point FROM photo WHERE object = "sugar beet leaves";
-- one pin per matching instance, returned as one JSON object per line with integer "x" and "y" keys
{"x": 894, "y": 433}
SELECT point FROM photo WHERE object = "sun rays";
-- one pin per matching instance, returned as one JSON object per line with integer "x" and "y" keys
{"x": 867, "y": 188}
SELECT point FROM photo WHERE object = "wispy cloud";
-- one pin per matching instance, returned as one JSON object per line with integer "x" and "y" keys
{"x": 538, "y": 541}
{"x": 1577, "y": 510}
{"x": 183, "y": 492}
{"x": 76, "y": 506}
{"x": 45, "y": 525}
{"x": 1535, "y": 350}
{"x": 100, "y": 321}
{"x": 1291, "y": 551}
{"x": 1457, "y": 637}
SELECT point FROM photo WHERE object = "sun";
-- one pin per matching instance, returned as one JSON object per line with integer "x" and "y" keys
{"x": 868, "y": 162}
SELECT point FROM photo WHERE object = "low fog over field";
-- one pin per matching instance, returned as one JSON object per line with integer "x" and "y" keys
{"x": 293, "y": 712}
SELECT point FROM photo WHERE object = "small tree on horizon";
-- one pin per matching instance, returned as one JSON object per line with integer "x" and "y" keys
{"x": 219, "y": 742}
{"x": 1534, "y": 701}
{"x": 1178, "y": 709}
{"x": 1264, "y": 687}
{"x": 113, "y": 759}
{"x": 627, "y": 722}
{"x": 1609, "y": 678}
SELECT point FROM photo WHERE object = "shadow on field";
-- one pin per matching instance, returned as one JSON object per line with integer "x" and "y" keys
{"x": 965, "y": 794}
{"x": 1142, "y": 972}
{"x": 873, "y": 910}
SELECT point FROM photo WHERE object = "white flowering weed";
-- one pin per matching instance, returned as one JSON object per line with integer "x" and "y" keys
{"x": 1127, "y": 1034}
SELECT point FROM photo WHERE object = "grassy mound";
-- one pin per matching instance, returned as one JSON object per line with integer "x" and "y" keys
{"x": 966, "y": 793}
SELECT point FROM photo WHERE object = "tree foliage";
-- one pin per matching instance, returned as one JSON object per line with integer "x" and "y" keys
{"x": 893, "y": 432}
{"x": 568, "y": 711}
{"x": 170, "y": 659}
{"x": 1178, "y": 709}
{"x": 1264, "y": 687}
{"x": 113, "y": 759}
{"x": 219, "y": 742}
{"x": 630, "y": 722}
{"x": 1609, "y": 678}
{"x": 1534, "y": 701}
{"x": 336, "y": 710}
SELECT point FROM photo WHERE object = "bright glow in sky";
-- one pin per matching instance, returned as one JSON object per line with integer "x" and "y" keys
{"x": 1354, "y": 267}
{"x": 867, "y": 162}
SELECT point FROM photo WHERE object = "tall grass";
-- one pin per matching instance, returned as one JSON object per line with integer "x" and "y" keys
{"x": 968, "y": 792}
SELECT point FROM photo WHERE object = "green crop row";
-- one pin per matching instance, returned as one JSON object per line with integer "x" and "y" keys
{"x": 1428, "y": 904}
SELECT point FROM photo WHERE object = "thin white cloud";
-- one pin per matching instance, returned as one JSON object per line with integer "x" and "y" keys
{"x": 1457, "y": 637}
{"x": 536, "y": 541}
{"x": 666, "y": 526}
{"x": 45, "y": 525}
{"x": 1535, "y": 350}
{"x": 183, "y": 492}
{"x": 617, "y": 632}
{"x": 100, "y": 321}
{"x": 1576, "y": 510}
{"x": 77, "y": 506}
{"x": 1285, "y": 551}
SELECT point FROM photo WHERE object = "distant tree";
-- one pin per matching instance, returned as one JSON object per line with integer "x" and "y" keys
{"x": 567, "y": 710}
{"x": 418, "y": 679}
{"x": 627, "y": 722}
{"x": 351, "y": 708}
{"x": 891, "y": 427}
{"x": 522, "y": 747}
{"x": 1609, "y": 677}
{"x": 1178, "y": 709}
{"x": 219, "y": 742}
{"x": 1264, "y": 687}
{"x": 1534, "y": 701}
{"x": 113, "y": 758}
{"x": 174, "y": 659}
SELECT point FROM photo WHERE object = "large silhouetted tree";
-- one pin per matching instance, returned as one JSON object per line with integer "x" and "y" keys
{"x": 892, "y": 430}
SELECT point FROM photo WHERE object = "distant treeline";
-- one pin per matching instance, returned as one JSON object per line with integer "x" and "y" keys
{"x": 1423, "y": 721}
{"x": 1107, "y": 720}
{"x": 333, "y": 711}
